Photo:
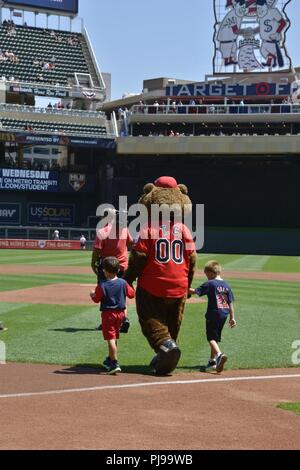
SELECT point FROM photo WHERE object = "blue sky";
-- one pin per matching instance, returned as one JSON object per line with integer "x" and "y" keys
{"x": 141, "y": 39}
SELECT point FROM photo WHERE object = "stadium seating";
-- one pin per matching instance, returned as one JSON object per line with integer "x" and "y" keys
{"x": 30, "y": 44}
{"x": 52, "y": 127}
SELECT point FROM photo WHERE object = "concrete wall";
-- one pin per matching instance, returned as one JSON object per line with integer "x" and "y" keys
{"x": 211, "y": 145}
{"x": 252, "y": 241}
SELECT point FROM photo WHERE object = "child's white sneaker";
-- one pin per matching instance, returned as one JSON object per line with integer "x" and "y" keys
{"x": 221, "y": 361}
{"x": 211, "y": 365}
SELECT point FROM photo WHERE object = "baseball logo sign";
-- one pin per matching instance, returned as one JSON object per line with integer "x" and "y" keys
{"x": 250, "y": 36}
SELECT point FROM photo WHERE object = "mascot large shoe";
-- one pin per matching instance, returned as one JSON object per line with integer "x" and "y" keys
{"x": 163, "y": 260}
{"x": 167, "y": 358}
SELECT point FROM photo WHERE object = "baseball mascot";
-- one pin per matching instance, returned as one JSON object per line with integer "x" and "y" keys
{"x": 163, "y": 260}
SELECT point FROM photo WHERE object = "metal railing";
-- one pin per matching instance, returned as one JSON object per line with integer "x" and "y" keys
{"x": 75, "y": 133}
{"x": 72, "y": 87}
{"x": 51, "y": 111}
{"x": 284, "y": 108}
{"x": 45, "y": 233}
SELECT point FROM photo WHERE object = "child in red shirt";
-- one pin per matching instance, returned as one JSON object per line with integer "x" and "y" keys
{"x": 112, "y": 241}
{"x": 112, "y": 294}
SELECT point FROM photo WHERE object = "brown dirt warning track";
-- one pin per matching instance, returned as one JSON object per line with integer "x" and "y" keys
{"x": 32, "y": 269}
{"x": 56, "y": 407}
{"x": 47, "y": 407}
{"x": 78, "y": 294}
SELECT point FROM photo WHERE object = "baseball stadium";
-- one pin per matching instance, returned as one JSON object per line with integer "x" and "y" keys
{"x": 226, "y": 147}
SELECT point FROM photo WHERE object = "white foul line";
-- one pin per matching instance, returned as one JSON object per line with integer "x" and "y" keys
{"x": 147, "y": 384}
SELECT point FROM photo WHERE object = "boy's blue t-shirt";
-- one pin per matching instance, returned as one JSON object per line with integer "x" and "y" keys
{"x": 220, "y": 297}
{"x": 114, "y": 295}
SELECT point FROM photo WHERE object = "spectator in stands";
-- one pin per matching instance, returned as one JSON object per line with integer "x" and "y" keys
{"x": 48, "y": 66}
{"x": 192, "y": 107}
{"x": 174, "y": 107}
{"x": 50, "y": 106}
{"x": 156, "y": 107}
{"x": 11, "y": 31}
{"x": 141, "y": 108}
{"x": 121, "y": 113}
{"x": 72, "y": 41}
{"x": 3, "y": 57}
{"x": 9, "y": 55}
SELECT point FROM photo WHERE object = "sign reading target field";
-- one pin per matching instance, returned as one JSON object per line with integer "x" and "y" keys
{"x": 51, "y": 214}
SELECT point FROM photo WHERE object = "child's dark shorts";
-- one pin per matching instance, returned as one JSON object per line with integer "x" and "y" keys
{"x": 214, "y": 328}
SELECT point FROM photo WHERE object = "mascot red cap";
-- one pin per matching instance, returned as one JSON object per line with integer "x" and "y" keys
{"x": 166, "y": 182}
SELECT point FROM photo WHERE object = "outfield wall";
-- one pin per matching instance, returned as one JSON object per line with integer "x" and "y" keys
{"x": 252, "y": 241}
{"x": 236, "y": 192}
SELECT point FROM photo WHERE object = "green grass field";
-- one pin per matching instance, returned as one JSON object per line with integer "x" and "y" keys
{"x": 293, "y": 407}
{"x": 288, "y": 264}
{"x": 268, "y": 315}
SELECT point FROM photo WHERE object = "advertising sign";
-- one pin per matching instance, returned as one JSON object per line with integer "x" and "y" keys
{"x": 51, "y": 214}
{"x": 250, "y": 36}
{"x": 48, "y": 139}
{"x": 28, "y": 180}
{"x": 67, "y": 6}
{"x": 39, "y": 91}
{"x": 40, "y": 245}
{"x": 233, "y": 90}
{"x": 10, "y": 214}
{"x": 77, "y": 183}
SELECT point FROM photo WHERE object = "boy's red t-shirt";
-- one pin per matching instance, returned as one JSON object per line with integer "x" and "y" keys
{"x": 168, "y": 252}
{"x": 116, "y": 247}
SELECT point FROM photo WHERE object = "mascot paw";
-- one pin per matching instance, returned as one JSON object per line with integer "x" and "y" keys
{"x": 167, "y": 358}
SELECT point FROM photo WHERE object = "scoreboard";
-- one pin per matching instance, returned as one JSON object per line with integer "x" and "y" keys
{"x": 60, "y": 6}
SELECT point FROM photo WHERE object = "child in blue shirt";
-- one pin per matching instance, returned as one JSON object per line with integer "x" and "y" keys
{"x": 112, "y": 294}
{"x": 220, "y": 307}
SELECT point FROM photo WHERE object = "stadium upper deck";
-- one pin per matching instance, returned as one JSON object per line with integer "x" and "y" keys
{"x": 47, "y": 57}
{"x": 59, "y": 65}
{"x": 265, "y": 107}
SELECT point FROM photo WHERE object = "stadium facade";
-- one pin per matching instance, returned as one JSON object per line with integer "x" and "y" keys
{"x": 233, "y": 139}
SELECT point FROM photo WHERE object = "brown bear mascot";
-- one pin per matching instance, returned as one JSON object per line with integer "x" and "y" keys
{"x": 163, "y": 260}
